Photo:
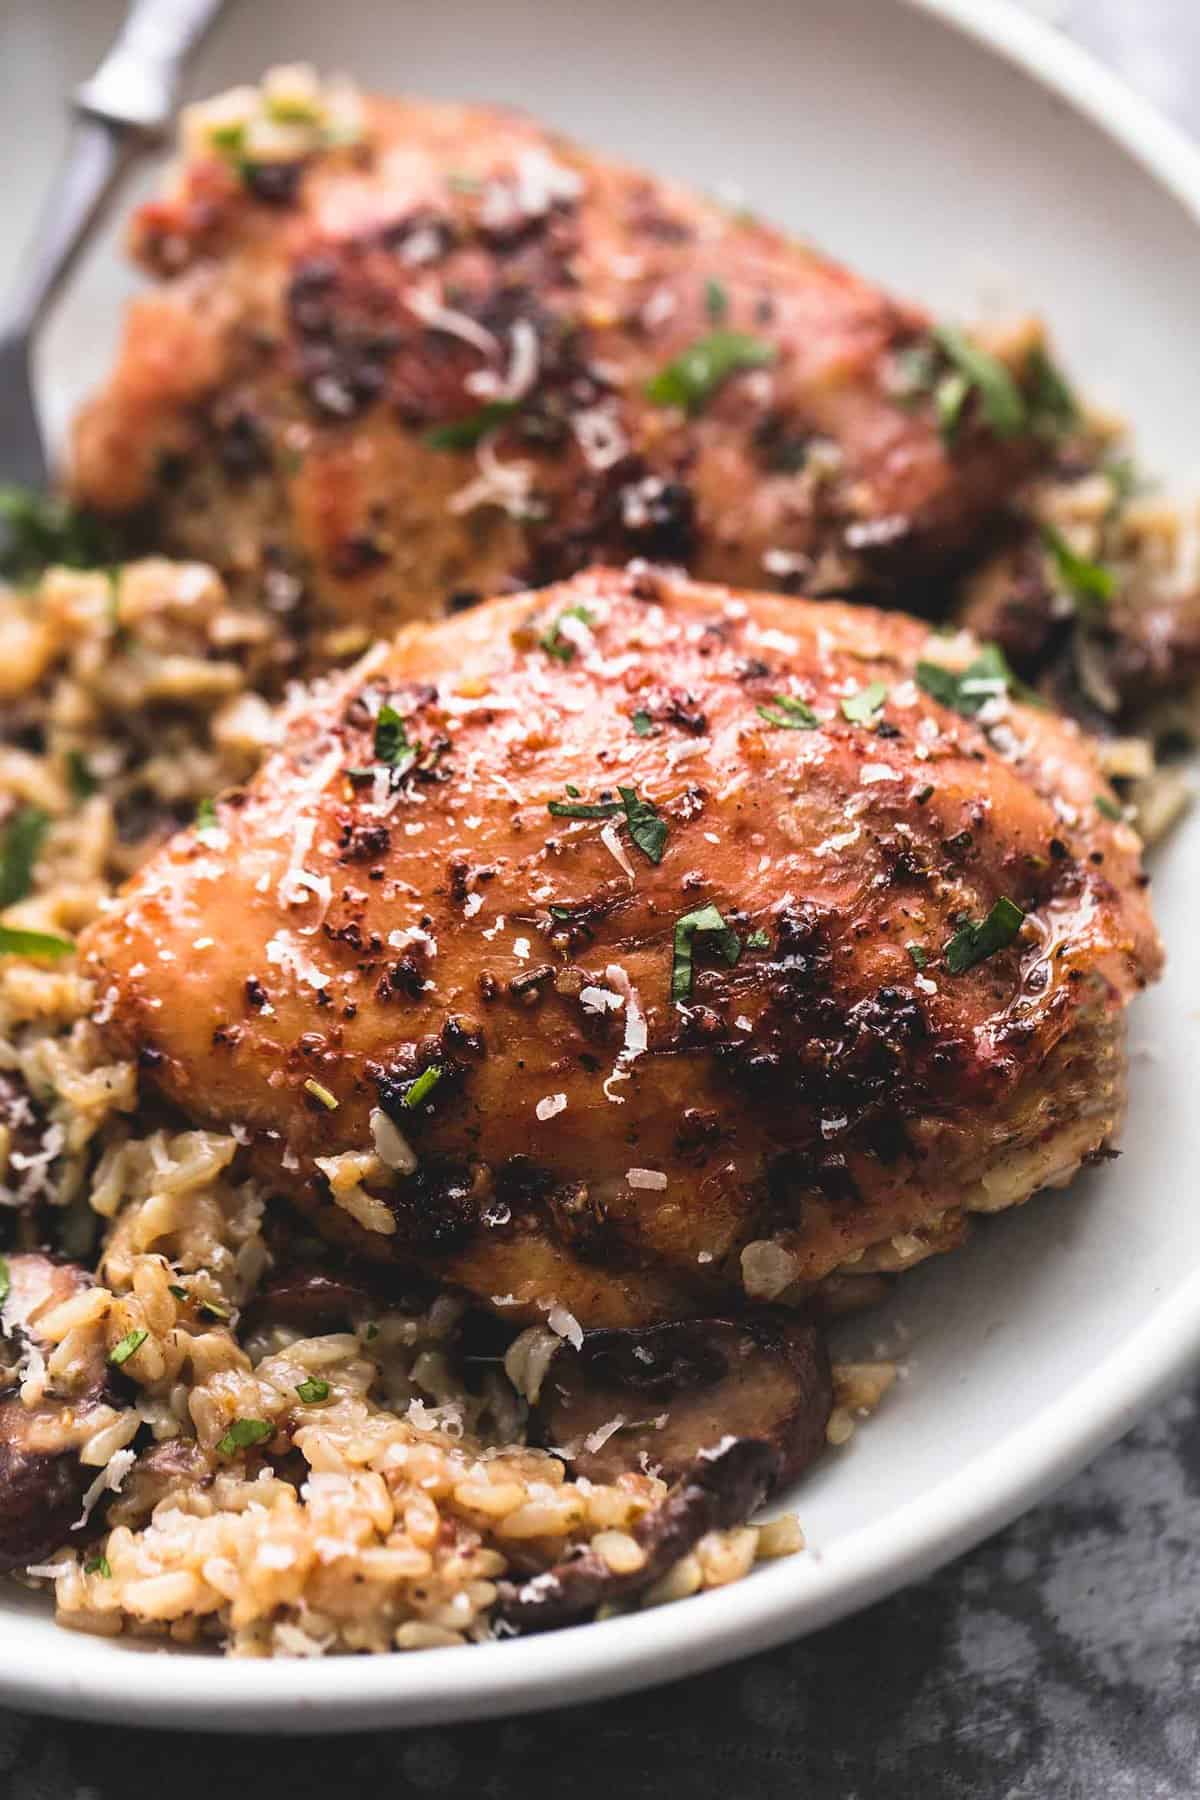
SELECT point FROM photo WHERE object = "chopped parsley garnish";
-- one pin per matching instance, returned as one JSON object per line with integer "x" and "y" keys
{"x": 206, "y": 815}
{"x": 704, "y": 921}
{"x": 1000, "y": 400}
{"x": 243, "y": 1433}
{"x": 313, "y": 1391}
{"x": 968, "y": 690}
{"x": 391, "y": 739}
{"x": 864, "y": 706}
{"x": 424, "y": 1085}
{"x": 180, "y": 1293}
{"x": 121, "y": 1353}
{"x": 83, "y": 782}
{"x": 949, "y": 397}
{"x": 320, "y": 1092}
{"x": 1109, "y": 809}
{"x": 975, "y": 941}
{"x": 554, "y": 643}
{"x": 583, "y": 809}
{"x": 20, "y": 842}
{"x": 14, "y": 941}
{"x": 646, "y": 828}
{"x": 98, "y": 1565}
{"x": 918, "y": 953}
{"x": 759, "y": 940}
{"x": 465, "y": 433}
{"x": 215, "y": 1311}
{"x": 1090, "y": 584}
{"x": 692, "y": 377}
{"x": 41, "y": 530}
{"x": 643, "y": 724}
{"x": 1053, "y": 409}
{"x": 5, "y": 1279}
{"x": 787, "y": 713}
{"x": 1123, "y": 478}
{"x": 716, "y": 301}
{"x": 923, "y": 794}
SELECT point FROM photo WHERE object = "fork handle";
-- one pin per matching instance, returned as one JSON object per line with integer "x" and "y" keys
{"x": 127, "y": 102}
{"x": 97, "y": 155}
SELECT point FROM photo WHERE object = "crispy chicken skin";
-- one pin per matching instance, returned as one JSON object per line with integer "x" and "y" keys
{"x": 302, "y": 400}
{"x": 823, "y": 1103}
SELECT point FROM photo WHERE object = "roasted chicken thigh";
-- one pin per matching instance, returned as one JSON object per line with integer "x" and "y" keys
{"x": 458, "y": 354}
{"x": 640, "y": 948}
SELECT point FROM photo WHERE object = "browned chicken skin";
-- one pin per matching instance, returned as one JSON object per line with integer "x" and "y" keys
{"x": 523, "y": 1073}
{"x": 424, "y": 368}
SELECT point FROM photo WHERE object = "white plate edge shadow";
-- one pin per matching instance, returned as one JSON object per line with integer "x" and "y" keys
{"x": 600, "y": 1660}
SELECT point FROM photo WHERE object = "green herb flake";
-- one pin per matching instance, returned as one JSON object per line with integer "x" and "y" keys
{"x": 212, "y": 1310}
{"x": 787, "y": 713}
{"x": 646, "y": 828}
{"x": 20, "y": 843}
{"x": 950, "y": 396}
{"x": 41, "y": 531}
{"x": 691, "y": 378}
{"x": 1053, "y": 408}
{"x": 554, "y": 643}
{"x": 465, "y": 433}
{"x": 371, "y": 1332}
{"x": 1121, "y": 473}
{"x": 313, "y": 1391}
{"x": 82, "y": 782}
{"x": 975, "y": 941}
{"x": 1109, "y": 808}
{"x": 583, "y": 809}
{"x": 918, "y": 953}
{"x": 121, "y": 1353}
{"x": 5, "y": 1279}
{"x": 391, "y": 740}
{"x": 865, "y": 706}
{"x": 180, "y": 1293}
{"x": 716, "y": 301}
{"x": 1090, "y": 584}
{"x": 648, "y": 831}
{"x": 206, "y": 815}
{"x": 758, "y": 940}
{"x": 243, "y": 1433}
{"x": 643, "y": 725}
{"x": 424, "y": 1085}
{"x": 704, "y": 921}
{"x": 1000, "y": 399}
{"x": 967, "y": 691}
{"x": 320, "y": 1092}
{"x": 923, "y": 794}
{"x": 98, "y": 1565}
{"x": 14, "y": 941}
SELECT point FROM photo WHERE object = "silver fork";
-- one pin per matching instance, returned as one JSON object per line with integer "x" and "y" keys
{"x": 120, "y": 113}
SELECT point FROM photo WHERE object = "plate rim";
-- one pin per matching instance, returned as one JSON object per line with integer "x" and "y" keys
{"x": 667, "y": 1643}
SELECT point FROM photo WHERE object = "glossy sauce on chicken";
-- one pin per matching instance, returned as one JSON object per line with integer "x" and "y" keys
{"x": 638, "y": 944}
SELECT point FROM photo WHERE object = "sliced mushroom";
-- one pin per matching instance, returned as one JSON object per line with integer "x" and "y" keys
{"x": 723, "y": 1487}
{"x": 312, "y": 1301}
{"x": 657, "y": 1397}
{"x": 42, "y": 1481}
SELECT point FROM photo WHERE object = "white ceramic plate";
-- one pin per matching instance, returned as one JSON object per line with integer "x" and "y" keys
{"x": 972, "y": 158}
